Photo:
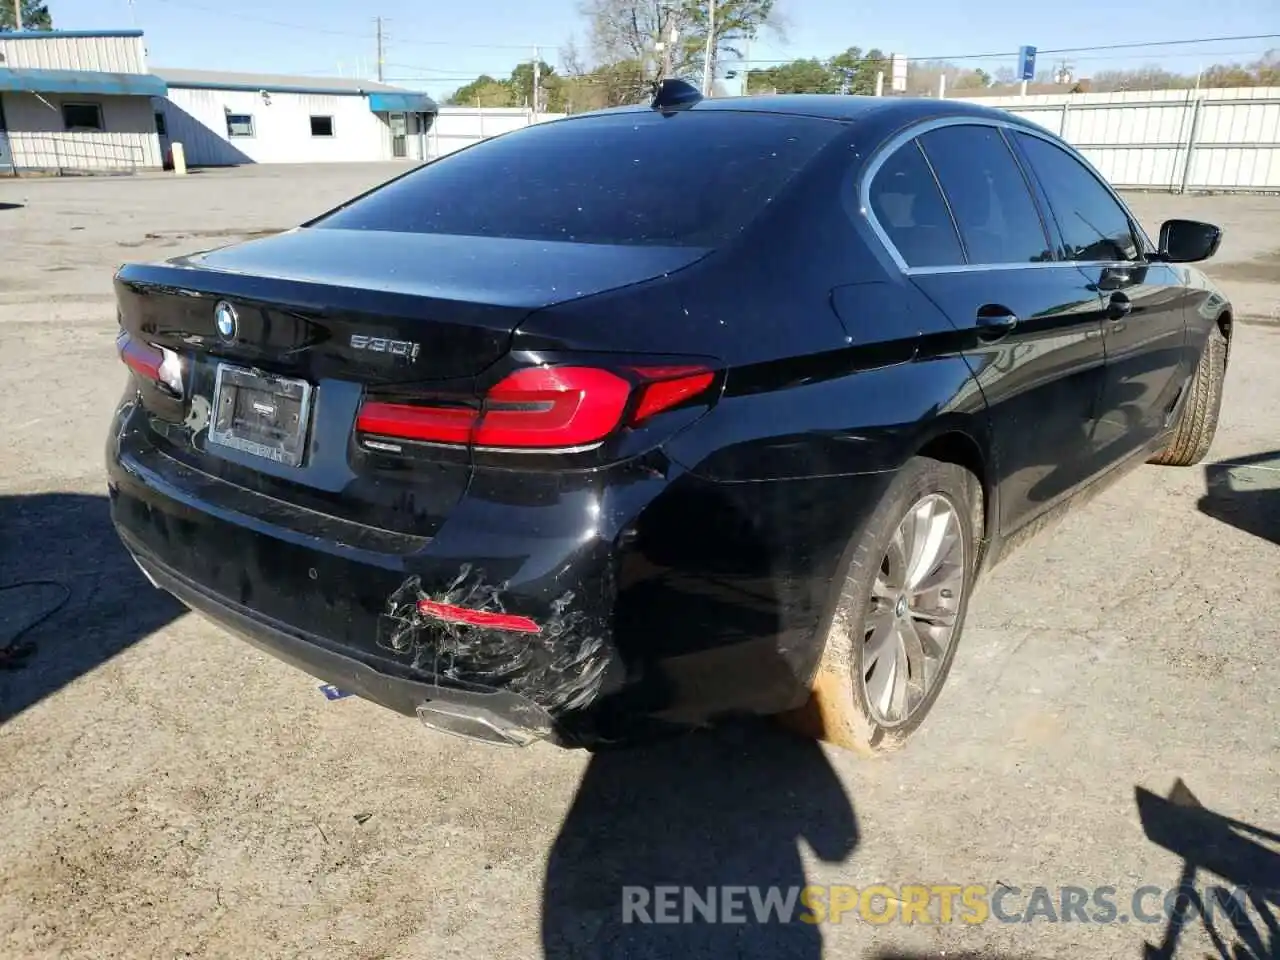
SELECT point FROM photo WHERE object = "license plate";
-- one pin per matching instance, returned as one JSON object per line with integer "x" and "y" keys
{"x": 260, "y": 414}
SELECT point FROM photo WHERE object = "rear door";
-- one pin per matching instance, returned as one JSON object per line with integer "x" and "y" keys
{"x": 972, "y": 239}
{"x": 1144, "y": 303}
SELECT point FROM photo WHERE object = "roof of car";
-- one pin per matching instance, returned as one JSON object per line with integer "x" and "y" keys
{"x": 838, "y": 107}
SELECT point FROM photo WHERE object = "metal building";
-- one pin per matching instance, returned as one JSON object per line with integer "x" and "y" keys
{"x": 232, "y": 118}
{"x": 76, "y": 100}
{"x": 85, "y": 101}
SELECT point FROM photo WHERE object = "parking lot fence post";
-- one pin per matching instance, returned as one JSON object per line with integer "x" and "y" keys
{"x": 1192, "y": 134}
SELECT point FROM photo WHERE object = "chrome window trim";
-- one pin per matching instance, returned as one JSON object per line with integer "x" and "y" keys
{"x": 904, "y": 137}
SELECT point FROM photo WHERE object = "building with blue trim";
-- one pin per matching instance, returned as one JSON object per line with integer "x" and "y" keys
{"x": 73, "y": 101}
{"x": 229, "y": 118}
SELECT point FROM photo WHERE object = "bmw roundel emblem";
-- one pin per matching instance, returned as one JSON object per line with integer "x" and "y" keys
{"x": 224, "y": 318}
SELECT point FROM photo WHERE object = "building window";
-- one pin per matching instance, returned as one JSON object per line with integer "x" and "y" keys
{"x": 239, "y": 125}
{"x": 322, "y": 126}
{"x": 162, "y": 127}
{"x": 82, "y": 116}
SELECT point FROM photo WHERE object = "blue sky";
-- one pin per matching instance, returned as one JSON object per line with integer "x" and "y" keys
{"x": 442, "y": 44}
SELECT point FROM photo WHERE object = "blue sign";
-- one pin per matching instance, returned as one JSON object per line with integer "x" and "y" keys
{"x": 1027, "y": 63}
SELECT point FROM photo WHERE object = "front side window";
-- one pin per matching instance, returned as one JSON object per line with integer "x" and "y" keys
{"x": 82, "y": 116}
{"x": 906, "y": 202}
{"x": 988, "y": 195}
{"x": 691, "y": 179}
{"x": 239, "y": 125}
{"x": 321, "y": 126}
{"x": 1094, "y": 226}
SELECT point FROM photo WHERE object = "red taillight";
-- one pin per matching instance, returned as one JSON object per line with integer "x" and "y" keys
{"x": 448, "y": 613}
{"x": 409, "y": 422}
{"x": 141, "y": 358}
{"x": 158, "y": 364}
{"x": 542, "y": 408}
{"x": 552, "y": 407}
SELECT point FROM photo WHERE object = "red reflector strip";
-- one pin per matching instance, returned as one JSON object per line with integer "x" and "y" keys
{"x": 434, "y": 424}
{"x": 141, "y": 358}
{"x": 448, "y": 613}
{"x": 674, "y": 385}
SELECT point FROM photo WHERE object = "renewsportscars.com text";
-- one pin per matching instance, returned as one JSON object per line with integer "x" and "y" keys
{"x": 925, "y": 903}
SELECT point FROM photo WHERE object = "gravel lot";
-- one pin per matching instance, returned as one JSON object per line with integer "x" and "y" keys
{"x": 167, "y": 791}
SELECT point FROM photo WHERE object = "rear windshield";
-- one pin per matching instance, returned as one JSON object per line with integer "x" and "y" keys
{"x": 692, "y": 179}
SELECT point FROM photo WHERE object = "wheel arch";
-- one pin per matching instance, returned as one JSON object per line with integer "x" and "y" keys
{"x": 957, "y": 446}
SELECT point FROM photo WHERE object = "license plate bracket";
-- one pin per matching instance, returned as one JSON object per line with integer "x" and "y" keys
{"x": 260, "y": 414}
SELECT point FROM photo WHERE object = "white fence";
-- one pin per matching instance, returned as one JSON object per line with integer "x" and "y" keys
{"x": 1175, "y": 140}
{"x": 458, "y": 127}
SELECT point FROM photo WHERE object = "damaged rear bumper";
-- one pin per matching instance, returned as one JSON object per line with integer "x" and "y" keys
{"x": 463, "y": 709}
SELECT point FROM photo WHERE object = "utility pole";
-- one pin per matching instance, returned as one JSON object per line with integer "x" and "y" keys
{"x": 17, "y": 15}
{"x": 667, "y": 37}
{"x": 379, "y": 20}
{"x": 665, "y": 69}
{"x": 711, "y": 42}
{"x": 537, "y": 83}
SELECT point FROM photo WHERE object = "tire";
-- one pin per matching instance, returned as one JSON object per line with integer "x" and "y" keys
{"x": 841, "y": 709}
{"x": 1198, "y": 419}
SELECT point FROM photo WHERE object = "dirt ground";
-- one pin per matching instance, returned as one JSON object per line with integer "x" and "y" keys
{"x": 166, "y": 791}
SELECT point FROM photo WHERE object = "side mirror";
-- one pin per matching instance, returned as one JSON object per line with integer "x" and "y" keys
{"x": 1188, "y": 241}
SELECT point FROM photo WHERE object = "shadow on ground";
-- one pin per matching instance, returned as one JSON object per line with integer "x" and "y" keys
{"x": 1230, "y": 878}
{"x": 66, "y": 541}
{"x": 1245, "y": 493}
{"x": 10, "y": 206}
{"x": 721, "y": 808}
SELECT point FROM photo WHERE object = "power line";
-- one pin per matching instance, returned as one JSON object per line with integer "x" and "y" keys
{"x": 412, "y": 66}
{"x": 1164, "y": 43}
{"x": 312, "y": 28}
{"x": 473, "y": 46}
{"x": 222, "y": 14}
{"x": 1056, "y": 50}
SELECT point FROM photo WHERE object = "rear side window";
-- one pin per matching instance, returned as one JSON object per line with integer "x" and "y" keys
{"x": 906, "y": 203}
{"x": 1093, "y": 225}
{"x": 988, "y": 195}
{"x": 693, "y": 179}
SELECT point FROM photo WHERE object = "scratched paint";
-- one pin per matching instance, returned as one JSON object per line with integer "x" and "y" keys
{"x": 560, "y": 668}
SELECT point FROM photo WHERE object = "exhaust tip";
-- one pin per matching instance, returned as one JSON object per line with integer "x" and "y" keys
{"x": 475, "y": 724}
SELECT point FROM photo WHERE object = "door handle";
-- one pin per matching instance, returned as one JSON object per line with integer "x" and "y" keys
{"x": 995, "y": 321}
{"x": 1118, "y": 306}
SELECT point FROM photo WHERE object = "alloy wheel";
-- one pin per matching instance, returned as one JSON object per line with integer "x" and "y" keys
{"x": 911, "y": 619}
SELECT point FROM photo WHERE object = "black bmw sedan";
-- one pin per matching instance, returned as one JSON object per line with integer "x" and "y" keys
{"x": 648, "y": 418}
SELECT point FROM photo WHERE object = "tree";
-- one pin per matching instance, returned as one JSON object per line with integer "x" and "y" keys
{"x": 521, "y": 83}
{"x": 35, "y": 15}
{"x": 735, "y": 21}
{"x": 798, "y": 76}
{"x": 852, "y": 72}
{"x": 625, "y": 31}
{"x": 484, "y": 91}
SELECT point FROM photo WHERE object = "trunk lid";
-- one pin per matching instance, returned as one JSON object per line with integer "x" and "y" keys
{"x": 340, "y": 312}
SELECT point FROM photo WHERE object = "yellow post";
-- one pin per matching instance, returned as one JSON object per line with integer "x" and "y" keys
{"x": 179, "y": 159}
